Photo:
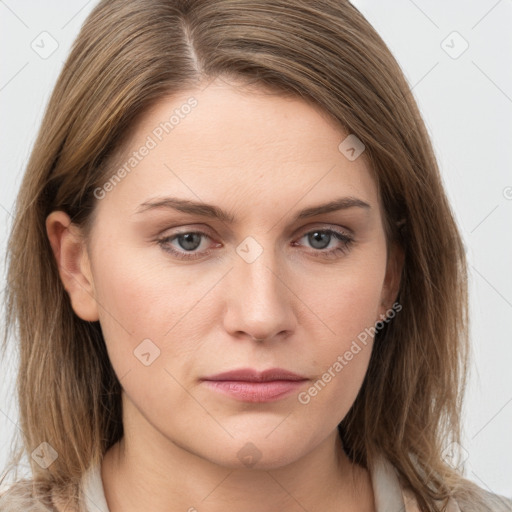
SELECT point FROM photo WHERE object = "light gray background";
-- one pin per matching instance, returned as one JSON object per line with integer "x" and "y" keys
{"x": 467, "y": 105}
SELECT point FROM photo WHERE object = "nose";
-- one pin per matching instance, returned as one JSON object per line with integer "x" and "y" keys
{"x": 259, "y": 299}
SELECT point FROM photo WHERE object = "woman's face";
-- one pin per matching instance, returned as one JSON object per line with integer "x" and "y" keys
{"x": 206, "y": 256}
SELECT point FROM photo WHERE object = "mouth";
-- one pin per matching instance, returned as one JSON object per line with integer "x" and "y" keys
{"x": 249, "y": 385}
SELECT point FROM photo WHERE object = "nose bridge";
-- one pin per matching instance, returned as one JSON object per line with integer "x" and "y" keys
{"x": 258, "y": 302}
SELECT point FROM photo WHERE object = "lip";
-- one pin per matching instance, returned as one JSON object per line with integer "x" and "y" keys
{"x": 252, "y": 375}
{"x": 250, "y": 385}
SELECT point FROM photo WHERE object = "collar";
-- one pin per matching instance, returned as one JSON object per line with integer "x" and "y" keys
{"x": 388, "y": 493}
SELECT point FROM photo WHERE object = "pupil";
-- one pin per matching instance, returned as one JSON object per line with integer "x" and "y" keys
{"x": 317, "y": 237}
{"x": 189, "y": 244}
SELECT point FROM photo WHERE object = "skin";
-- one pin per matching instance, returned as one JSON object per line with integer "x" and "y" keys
{"x": 262, "y": 158}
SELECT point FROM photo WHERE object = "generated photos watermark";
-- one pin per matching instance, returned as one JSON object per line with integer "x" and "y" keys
{"x": 152, "y": 141}
{"x": 304, "y": 397}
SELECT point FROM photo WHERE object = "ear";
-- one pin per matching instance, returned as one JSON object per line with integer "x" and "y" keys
{"x": 69, "y": 249}
{"x": 392, "y": 279}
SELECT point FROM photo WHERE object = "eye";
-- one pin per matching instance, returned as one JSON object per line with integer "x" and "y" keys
{"x": 188, "y": 242}
{"x": 320, "y": 239}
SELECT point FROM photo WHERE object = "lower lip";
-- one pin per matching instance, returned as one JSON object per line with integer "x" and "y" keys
{"x": 255, "y": 391}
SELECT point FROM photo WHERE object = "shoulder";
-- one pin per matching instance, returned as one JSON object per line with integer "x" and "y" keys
{"x": 469, "y": 498}
{"x": 20, "y": 497}
{"x": 476, "y": 499}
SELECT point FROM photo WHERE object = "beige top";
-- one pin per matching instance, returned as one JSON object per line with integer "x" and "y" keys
{"x": 388, "y": 493}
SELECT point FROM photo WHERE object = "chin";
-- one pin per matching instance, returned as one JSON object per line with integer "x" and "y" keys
{"x": 256, "y": 454}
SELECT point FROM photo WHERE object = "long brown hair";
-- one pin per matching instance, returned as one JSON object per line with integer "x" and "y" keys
{"x": 128, "y": 55}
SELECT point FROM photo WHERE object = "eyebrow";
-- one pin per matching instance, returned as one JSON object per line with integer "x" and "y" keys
{"x": 212, "y": 211}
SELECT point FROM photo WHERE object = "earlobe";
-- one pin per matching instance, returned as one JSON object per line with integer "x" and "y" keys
{"x": 72, "y": 260}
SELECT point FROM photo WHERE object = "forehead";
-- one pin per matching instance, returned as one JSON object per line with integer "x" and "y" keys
{"x": 232, "y": 143}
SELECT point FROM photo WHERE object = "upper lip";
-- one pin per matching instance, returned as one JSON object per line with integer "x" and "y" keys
{"x": 252, "y": 375}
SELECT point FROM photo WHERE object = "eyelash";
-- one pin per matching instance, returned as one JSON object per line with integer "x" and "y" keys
{"x": 332, "y": 253}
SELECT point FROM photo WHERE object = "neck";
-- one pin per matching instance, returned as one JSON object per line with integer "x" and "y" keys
{"x": 156, "y": 474}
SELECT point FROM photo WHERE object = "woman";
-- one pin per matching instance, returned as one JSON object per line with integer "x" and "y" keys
{"x": 234, "y": 274}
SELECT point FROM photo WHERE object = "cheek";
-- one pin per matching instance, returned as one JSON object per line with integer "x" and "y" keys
{"x": 341, "y": 359}
{"x": 347, "y": 302}
{"x": 348, "y": 307}
{"x": 151, "y": 300}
